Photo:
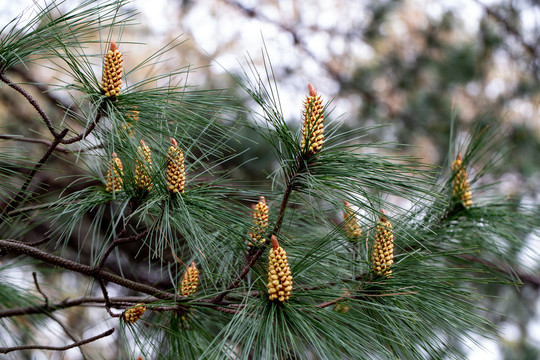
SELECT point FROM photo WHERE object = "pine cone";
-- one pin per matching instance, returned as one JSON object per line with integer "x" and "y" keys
{"x": 461, "y": 188}
{"x": 312, "y": 128}
{"x": 112, "y": 72}
{"x": 260, "y": 218}
{"x": 142, "y": 169}
{"x": 279, "y": 274}
{"x": 383, "y": 249}
{"x": 176, "y": 174}
{"x": 132, "y": 315}
{"x": 133, "y": 116}
{"x": 114, "y": 175}
{"x": 352, "y": 228}
{"x": 190, "y": 281}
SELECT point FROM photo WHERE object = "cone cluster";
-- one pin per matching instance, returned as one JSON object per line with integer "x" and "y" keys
{"x": 383, "y": 249}
{"x": 352, "y": 228}
{"x": 114, "y": 175}
{"x": 132, "y": 315}
{"x": 176, "y": 173}
{"x": 312, "y": 128}
{"x": 279, "y": 274}
{"x": 190, "y": 281}
{"x": 142, "y": 169}
{"x": 112, "y": 72}
{"x": 461, "y": 188}
{"x": 260, "y": 218}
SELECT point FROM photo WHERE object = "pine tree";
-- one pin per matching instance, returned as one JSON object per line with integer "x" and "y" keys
{"x": 345, "y": 280}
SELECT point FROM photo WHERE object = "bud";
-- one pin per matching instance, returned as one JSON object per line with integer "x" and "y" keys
{"x": 190, "y": 281}
{"x": 176, "y": 174}
{"x": 312, "y": 128}
{"x": 352, "y": 228}
{"x": 114, "y": 175}
{"x": 260, "y": 218}
{"x": 112, "y": 72}
{"x": 383, "y": 249}
{"x": 279, "y": 274}
{"x": 132, "y": 315}
{"x": 142, "y": 169}
{"x": 461, "y": 188}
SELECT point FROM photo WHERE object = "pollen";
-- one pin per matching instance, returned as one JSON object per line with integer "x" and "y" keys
{"x": 461, "y": 188}
{"x": 190, "y": 281}
{"x": 260, "y": 219}
{"x": 143, "y": 167}
{"x": 114, "y": 175}
{"x": 133, "y": 314}
{"x": 352, "y": 228}
{"x": 382, "y": 254}
{"x": 111, "y": 80}
{"x": 312, "y": 127}
{"x": 176, "y": 174}
{"x": 280, "y": 280}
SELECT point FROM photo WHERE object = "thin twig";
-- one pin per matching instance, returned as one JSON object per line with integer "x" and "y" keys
{"x": 48, "y": 143}
{"x": 119, "y": 241}
{"x": 19, "y": 248}
{"x": 107, "y": 300}
{"x": 32, "y": 102}
{"x": 45, "y": 298}
{"x": 118, "y": 302}
{"x": 67, "y": 332}
{"x": 56, "y": 348}
{"x": 20, "y": 195}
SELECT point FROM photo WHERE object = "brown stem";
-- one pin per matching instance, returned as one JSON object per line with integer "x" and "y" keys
{"x": 56, "y": 348}
{"x": 255, "y": 256}
{"x": 20, "y": 248}
{"x": 45, "y": 298}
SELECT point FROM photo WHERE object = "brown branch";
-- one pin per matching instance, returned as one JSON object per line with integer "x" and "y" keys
{"x": 118, "y": 302}
{"x": 119, "y": 240}
{"x": 255, "y": 255}
{"x": 48, "y": 143}
{"x": 56, "y": 348}
{"x": 32, "y": 102}
{"x": 21, "y": 194}
{"x": 106, "y": 298}
{"x": 8, "y": 246}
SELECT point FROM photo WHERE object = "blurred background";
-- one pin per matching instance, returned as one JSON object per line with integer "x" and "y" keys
{"x": 409, "y": 64}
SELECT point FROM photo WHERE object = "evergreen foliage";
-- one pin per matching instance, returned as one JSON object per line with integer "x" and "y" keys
{"x": 136, "y": 236}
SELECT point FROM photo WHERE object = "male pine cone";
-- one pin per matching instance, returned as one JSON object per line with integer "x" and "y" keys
{"x": 176, "y": 173}
{"x": 111, "y": 81}
{"x": 142, "y": 169}
{"x": 190, "y": 281}
{"x": 383, "y": 250}
{"x": 132, "y": 315}
{"x": 461, "y": 188}
{"x": 260, "y": 218}
{"x": 114, "y": 175}
{"x": 312, "y": 127}
{"x": 352, "y": 228}
{"x": 279, "y": 274}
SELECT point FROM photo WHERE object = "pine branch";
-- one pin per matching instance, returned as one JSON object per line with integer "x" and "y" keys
{"x": 57, "y": 348}
{"x": 7, "y": 246}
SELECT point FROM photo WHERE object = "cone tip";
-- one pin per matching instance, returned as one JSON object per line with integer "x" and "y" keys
{"x": 174, "y": 142}
{"x": 459, "y": 157}
{"x": 262, "y": 199}
{"x": 275, "y": 243}
{"x": 346, "y": 203}
{"x": 383, "y": 216}
{"x": 143, "y": 143}
{"x": 312, "y": 91}
{"x": 193, "y": 265}
{"x": 113, "y": 46}
{"x": 114, "y": 155}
